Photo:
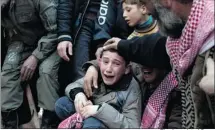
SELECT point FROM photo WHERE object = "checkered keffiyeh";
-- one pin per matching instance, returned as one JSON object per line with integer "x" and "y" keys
{"x": 182, "y": 51}
{"x": 74, "y": 121}
{"x": 155, "y": 111}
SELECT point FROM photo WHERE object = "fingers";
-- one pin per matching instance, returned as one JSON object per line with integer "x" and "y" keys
{"x": 95, "y": 79}
{"x": 64, "y": 55}
{"x": 88, "y": 88}
{"x": 98, "y": 52}
{"x": 210, "y": 66}
{"x": 22, "y": 72}
{"x": 85, "y": 112}
{"x": 62, "y": 49}
{"x": 112, "y": 40}
{"x": 70, "y": 48}
{"x": 110, "y": 46}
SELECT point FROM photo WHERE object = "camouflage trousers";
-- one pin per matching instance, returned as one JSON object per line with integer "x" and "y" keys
{"x": 11, "y": 87}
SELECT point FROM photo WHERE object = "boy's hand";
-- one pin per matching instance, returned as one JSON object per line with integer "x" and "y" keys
{"x": 62, "y": 49}
{"x": 80, "y": 101}
{"x": 89, "y": 110}
{"x": 207, "y": 82}
{"x": 111, "y": 43}
{"x": 90, "y": 80}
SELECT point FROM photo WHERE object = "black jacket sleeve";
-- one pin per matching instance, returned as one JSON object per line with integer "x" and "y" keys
{"x": 65, "y": 19}
{"x": 148, "y": 50}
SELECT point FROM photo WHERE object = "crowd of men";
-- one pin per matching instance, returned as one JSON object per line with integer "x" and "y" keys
{"x": 152, "y": 63}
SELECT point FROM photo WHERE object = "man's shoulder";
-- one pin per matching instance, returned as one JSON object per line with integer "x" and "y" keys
{"x": 134, "y": 85}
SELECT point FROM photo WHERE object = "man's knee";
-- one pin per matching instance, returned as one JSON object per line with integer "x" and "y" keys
{"x": 64, "y": 107}
{"x": 92, "y": 122}
{"x": 50, "y": 65}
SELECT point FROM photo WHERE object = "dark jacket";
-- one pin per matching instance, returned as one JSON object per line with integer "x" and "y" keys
{"x": 34, "y": 23}
{"x": 71, "y": 17}
{"x": 110, "y": 23}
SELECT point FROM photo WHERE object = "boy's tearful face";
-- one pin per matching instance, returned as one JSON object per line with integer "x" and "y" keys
{"x": 112, "y": 67}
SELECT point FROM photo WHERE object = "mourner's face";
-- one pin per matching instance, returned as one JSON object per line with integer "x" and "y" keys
{"x": 170, "y": 24}
{"x": 152, "y": 75}
{"x": 112, "y": 67}
{"x": 134, "y": 14}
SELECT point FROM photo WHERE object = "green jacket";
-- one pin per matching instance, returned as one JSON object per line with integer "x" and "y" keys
{"x": 34, "y": 23}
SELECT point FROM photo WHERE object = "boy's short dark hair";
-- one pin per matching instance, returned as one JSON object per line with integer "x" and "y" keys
{"x": 138, "y": 2}
{"x": 113, "y": 50}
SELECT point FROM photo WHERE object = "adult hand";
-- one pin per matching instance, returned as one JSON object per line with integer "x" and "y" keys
{"x": 62, "y": 49}
{"x": 98, "y": 52}
{"x": 89, "y": 110}
{"x": 111, "y": 43}
{"x": 80, "y": 101}
{"x": 90, "y": 80}
{"x": 207, "y": 82}
{"x": 28, "y": 68}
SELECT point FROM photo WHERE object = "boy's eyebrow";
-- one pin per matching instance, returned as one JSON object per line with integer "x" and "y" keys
{"x": 117, "y": 60}
{"x": 113, "y": 59}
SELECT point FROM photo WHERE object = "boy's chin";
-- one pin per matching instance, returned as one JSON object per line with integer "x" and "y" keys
{"x": 109, "y": 83}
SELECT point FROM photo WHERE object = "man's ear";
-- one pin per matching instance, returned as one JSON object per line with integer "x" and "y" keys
{"x": 99, "y": 60}
{"x": 128, "y": 69}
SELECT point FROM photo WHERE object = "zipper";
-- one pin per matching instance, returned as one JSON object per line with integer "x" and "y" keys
{"x": 81, "y": 21}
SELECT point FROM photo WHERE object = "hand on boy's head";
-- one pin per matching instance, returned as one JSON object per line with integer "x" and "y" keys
{"x": 90, "y": 80}
{"x": 111, "y": 43}
{"x": 98, "y": 52}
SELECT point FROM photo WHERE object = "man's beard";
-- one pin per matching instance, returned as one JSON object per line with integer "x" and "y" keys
{"x": 169, "y": 23}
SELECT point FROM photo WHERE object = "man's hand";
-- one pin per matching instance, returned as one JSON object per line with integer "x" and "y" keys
{"x": 28, "y": 68}
{"x": 89, "y": 110}
{"x": 207, "y": 82}
{"x": 80, "y": 101}
{"x": 111, "y": 43}
{"x": 90, "y": 80}
{"x": 98, "y": 52}
{"x": 62, "y": 49}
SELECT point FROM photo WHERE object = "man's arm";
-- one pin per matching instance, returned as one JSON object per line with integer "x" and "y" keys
{"x": 47, "y": 44}
{"x": 65, "y": 20}
{"x": 148, "y": 50}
